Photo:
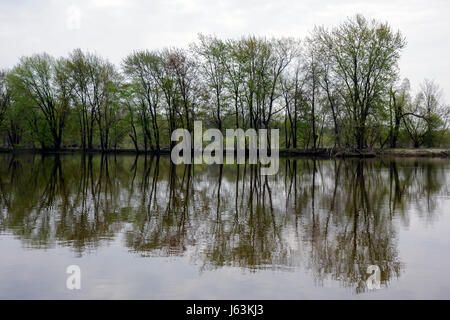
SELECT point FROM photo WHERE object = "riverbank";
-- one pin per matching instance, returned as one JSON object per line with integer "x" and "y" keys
{"x": 319, "y": 153}
{"x": 327, "y": 153}
{"x": 343, "y": 153}
{"x": 162, "y": 151}
{"x": 428, "y": 153}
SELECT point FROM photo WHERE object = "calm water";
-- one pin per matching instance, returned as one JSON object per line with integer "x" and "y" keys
{"x": 143, "y": 228}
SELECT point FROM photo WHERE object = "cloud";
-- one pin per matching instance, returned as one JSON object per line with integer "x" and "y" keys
{"x": 114, "y": 28}
{"x": 109, "y": 3}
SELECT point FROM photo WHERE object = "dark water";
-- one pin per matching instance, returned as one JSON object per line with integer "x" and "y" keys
{"x": 143, "y": 228}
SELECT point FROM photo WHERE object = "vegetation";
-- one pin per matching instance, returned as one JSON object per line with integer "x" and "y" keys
{"x": 337, "y": 88}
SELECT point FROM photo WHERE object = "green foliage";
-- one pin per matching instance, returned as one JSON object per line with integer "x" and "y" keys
{"x": 337, "y": 88}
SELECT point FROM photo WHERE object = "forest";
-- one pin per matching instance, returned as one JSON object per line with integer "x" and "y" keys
{"x": 336, "y": 88}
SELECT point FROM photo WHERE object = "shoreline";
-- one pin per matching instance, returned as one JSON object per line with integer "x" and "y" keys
{"x": 319, "y": 153}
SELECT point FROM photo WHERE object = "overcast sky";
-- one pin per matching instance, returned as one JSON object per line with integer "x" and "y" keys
{"x": 113, "y": 28}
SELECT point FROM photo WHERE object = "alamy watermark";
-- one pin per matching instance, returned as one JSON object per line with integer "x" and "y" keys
{"x": 259, "y": 145}
{"x": 374, "y": 280}
{"x": 74, "y": 280}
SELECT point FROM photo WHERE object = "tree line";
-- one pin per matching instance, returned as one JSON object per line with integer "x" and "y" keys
{"x": 338, "y": 88}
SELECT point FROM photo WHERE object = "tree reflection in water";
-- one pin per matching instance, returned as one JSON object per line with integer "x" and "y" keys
{"x": 332, "y": 217}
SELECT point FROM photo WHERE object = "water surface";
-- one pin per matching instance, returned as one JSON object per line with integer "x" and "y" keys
{"x": 140, "y": 227}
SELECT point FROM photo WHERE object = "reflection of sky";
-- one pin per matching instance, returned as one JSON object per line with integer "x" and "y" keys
{"x": 114, "y": 28}
{"x": 103, "y": 277}
{"x": 112, "y": 272}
